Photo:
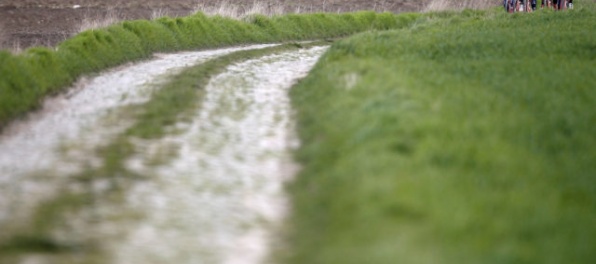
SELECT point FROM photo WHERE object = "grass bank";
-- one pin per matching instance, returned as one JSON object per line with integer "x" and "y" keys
{"x": 25, "y": 79}
{"x": 461, "y": 139}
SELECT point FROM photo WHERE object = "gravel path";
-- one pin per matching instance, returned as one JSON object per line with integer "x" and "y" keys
{"x": 221, "y": 198}
{"x": 218, "y": 199}
{"x": 38, "y": 154}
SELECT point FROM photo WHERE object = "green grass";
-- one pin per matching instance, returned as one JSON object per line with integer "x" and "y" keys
{"x": 25, "y": 79}
{"x": 464, "y": 138}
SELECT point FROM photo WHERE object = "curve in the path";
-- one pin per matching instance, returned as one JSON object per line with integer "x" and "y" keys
{"x": 218, "y": 199}
{"x": 221, "y": 198}
{"x": 60, "y": 138}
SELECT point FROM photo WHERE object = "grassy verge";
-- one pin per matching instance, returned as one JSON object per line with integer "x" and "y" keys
{"x": 461, "y": 139}
{"x": 26, "y": 78}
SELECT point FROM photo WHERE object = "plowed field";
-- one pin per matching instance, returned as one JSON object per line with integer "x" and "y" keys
{"x": 25, "y": 23}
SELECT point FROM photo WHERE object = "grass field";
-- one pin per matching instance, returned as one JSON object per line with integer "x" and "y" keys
{"x": 464, "y": 138}
{"x": 454, "y": 138}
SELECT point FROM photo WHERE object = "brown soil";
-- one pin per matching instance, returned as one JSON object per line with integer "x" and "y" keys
{"x": 26, "y": 23}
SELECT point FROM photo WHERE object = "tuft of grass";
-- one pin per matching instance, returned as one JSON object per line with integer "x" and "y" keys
{"x": 110, "y": 18}
{"x": 3, "y": 37}
{"x": 239, "y": 12}
{"x": 32, "y": 244}
{"x": 5, "y": 43}
{"x": 159, "y": 13}
{"x": 442, "y": 5}
{"x": 443, "y": 142}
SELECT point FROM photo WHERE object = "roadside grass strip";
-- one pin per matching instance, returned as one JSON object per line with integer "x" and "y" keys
{"x": 25, "y": 79}
{"x": 462, "y": 139}
{"x": 47, "y": 230}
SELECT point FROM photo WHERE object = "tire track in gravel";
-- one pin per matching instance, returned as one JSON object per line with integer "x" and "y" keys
{"x": 38, "y": 154}
{"x": 221, "y": 199}
{"x": 218, "y": 199}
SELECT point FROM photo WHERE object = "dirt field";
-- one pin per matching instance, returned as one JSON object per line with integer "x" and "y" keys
{"x": 25, "y": 23}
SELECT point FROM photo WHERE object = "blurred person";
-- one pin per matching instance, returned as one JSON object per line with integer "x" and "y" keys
{"x": 560, "y": 4}
{"x": 527, "y": 5}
